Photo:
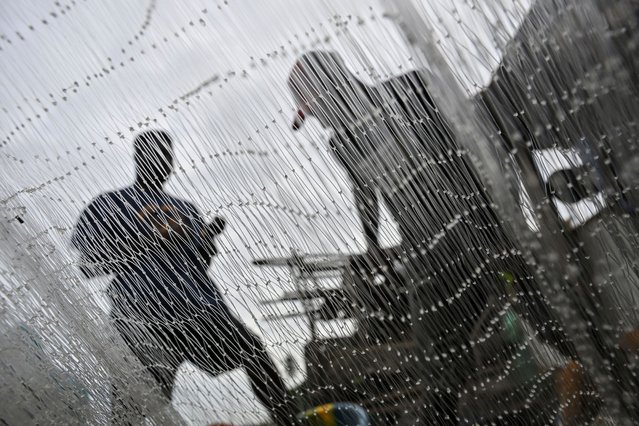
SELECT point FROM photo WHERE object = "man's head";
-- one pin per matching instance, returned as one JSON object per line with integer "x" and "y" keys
{"x": 153, "y": 158}
{"x": 315, "y": 82}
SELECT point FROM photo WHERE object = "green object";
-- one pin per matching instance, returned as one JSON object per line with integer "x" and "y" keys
{"x": 524, "y": 367}
{"x": 514, "y": 334}
{"x": 512, "y": 328}
{"x": 509, "y": 279}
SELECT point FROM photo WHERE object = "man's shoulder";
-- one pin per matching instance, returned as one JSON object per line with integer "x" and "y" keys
{"x": 410, "y": 86}
{"x": 96, "y": 215}
{"x": 107, "y": 201}
{"x": 410, "y": 78}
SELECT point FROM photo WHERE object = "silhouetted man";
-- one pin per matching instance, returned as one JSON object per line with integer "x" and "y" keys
{"x": 395, "y": 145}
{"x": 168, "y": 310}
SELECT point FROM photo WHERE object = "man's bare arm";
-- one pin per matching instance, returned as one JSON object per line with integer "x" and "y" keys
{"x": 367, "y": 203}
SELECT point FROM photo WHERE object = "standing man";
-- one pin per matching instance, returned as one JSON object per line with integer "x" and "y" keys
{"x": 395, "y": 145}
{"x": 165, "y": 306}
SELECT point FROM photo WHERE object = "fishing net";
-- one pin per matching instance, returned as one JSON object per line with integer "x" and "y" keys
{"x": 341, "y": 212}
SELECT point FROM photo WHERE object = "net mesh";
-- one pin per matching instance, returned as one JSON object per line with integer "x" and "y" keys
{"x": 342, "y": 212}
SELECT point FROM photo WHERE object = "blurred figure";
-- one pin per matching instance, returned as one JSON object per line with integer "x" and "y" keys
{"x": 395, "y": 146}
{"x": 323, "y": 88}
{"x": 164, "y": 304}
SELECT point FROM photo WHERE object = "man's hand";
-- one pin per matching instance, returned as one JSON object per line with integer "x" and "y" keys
{"x": 211, "y": 231}
{"x": 216, "y": 227}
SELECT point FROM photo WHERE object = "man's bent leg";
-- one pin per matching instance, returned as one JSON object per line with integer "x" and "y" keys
{"x": 268, "y": 385}
{"x": 227, "y": 344}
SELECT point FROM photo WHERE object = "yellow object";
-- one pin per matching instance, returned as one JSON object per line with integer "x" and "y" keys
{"x": 509, "y": 279}
{"x": 321, "y": 416}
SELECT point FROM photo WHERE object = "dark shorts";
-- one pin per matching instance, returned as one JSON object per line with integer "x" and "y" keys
{"x": 214, "y": 340}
